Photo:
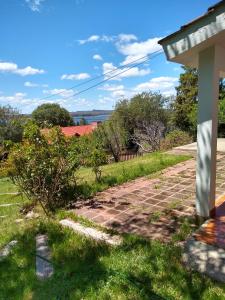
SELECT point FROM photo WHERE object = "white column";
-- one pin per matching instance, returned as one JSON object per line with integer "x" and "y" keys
{"x": 208, "y": 90}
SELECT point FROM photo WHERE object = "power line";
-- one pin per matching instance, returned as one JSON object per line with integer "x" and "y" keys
{"x": 100, "y": 76}
{"x": 109, "y": 78}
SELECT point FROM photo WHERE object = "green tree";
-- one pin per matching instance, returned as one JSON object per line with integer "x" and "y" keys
{"x": 51, "y": 114}
{"x": 113, "y": 136}
{"x": 11, "y": 124}
{"x": 186, "y": 100}
{"x": 185, "y": 106}
{"x": 144, "y": 119}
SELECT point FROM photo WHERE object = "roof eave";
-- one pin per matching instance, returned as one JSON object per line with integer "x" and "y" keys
{"x": 186, "y": 26}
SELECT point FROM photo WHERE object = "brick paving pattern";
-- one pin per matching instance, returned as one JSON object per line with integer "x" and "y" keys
{"x": 152, "y": 208}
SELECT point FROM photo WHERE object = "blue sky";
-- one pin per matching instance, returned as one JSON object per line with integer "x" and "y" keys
{"x": 47, "y": 46}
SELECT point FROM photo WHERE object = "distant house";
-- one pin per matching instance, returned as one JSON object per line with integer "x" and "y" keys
{"x": 79, "y": 130}
{"x": 71, "y": 131}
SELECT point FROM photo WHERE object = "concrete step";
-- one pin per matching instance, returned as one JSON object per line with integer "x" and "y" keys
{"x": 204, "y": 258}
{"x": 92, "y": 232}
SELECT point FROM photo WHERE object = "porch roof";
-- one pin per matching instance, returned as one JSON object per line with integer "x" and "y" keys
{"x": 184, "y": 45}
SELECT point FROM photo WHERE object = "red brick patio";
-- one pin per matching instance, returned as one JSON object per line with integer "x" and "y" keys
{"x": 152, "y": 208}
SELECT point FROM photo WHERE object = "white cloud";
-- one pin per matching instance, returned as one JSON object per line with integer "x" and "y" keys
{"x": 75, "y": 76}
{"x": 125, "y": 38}
{"x": 165, "y": 85}
{"x": 64, "y": 93}
{"x": 117, "y": 91}
{"x": 119, "y": 94}
{"x": 111, "y": 88}
{"x": 92, "y": 38}
{"x": 109, "y": 67}
{"x": 15, "y": 97}
{"x": 33, "y": 84}
{"x": 136, "y": 50}
{"x": 9, "y": 67}
{"x": 130, "y": 59}
{"x": 25, "y": 104}
{"x": 34, "y": 5}
{"x": 120, "y": 38}
{"x": 18, "y": 100}
{"x": 97, "y": 57}
{"x": 30, "y": 84}
{"x": 97, "y": 38}
{"x": 140, "y": 48}
{"x": 106, "y": 100}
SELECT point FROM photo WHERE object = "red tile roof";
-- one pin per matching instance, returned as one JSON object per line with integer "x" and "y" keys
{"x": 75, "y": 130}
{"x": 79, "y": 130}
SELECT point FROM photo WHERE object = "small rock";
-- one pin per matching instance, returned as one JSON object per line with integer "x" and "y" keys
{"x": 32, "y": 215}
{"x": 7, "y": 249}
{"x": 18, "y": 221}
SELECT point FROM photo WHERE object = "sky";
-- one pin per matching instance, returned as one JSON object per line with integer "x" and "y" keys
{"x": 49, "y": 46}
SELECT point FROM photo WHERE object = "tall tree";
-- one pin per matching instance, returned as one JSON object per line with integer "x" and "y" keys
{"x": 51, "y": 114}
{"x": 185, "y": 102}
{"x": 144, "y": 118}
{"x": 113, "y": 137}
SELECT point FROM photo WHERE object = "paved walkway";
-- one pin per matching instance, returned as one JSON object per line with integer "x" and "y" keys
{"x": 150, "y": 207}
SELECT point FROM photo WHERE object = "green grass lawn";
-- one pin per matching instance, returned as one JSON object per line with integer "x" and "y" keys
{"x": 6, "y": 186}
{"x": 118, "y": 173}
{"x": 84, "y": 269}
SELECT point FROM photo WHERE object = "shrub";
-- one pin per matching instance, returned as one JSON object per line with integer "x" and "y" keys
{"x": 89, "y": 152}
{"x": 96, "y": 160}
{"x": 43, "y": 168}
{"x": 174, "y": 139}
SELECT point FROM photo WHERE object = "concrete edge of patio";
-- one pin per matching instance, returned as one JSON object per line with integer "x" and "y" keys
{"x": 204, "y": 258}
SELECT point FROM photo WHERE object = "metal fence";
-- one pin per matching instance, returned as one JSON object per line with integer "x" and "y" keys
{"x": 128, "y": 156}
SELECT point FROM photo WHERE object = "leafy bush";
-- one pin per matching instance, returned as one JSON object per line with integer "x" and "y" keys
{"x": 96, "y": 160}
{"x": 174, "y": 139}
{"x": 4, "y": 153}
{"x": 43, "y": 168}
{"x": 89, "y": 152}
{"x": 11, "y": 124}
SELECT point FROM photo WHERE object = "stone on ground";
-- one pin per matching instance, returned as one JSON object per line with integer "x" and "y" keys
{"x": 19, "y": 221}
{"x": 206, "y": 259}
{"x": 44, "y": 268}
{"x": 32, "y": 215}
{"x": 92, "y": 232}
{"x": 7, "y": 249}
{"x": 8, "y": 204}
{"x": 11, "y": 193}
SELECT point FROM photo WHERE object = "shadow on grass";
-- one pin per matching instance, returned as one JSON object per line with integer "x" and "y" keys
{"x": 80, "y": 270}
